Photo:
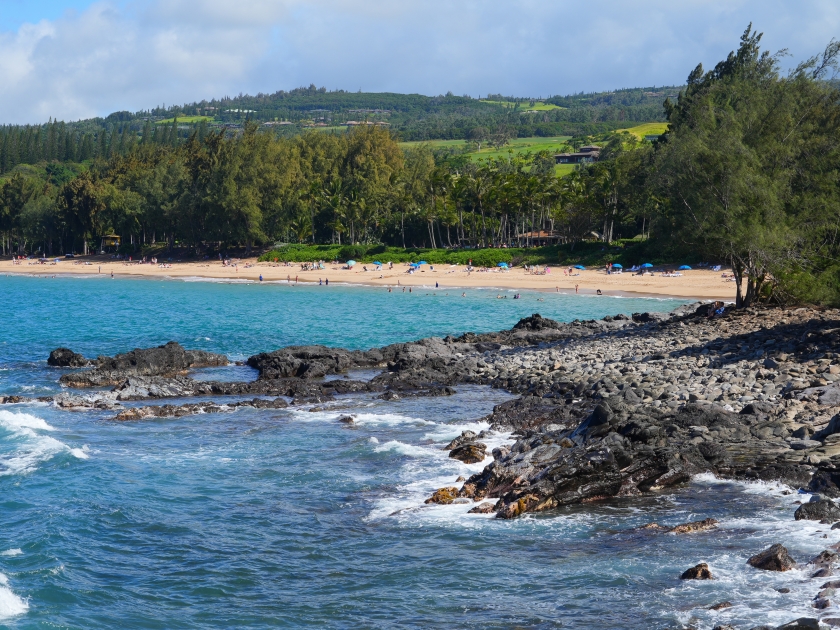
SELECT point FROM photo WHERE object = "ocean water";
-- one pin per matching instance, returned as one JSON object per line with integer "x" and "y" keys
{"x": 288, "y": 518}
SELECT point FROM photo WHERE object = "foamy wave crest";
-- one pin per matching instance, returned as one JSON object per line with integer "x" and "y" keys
{"x": 23, "y": 446}
{"x": 10, "y": 604}
{"x": 406, "y": 449}
{"x": 12, "y": 552}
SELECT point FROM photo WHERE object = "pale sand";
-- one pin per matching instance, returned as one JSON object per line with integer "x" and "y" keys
{"x": 700, "y": 284}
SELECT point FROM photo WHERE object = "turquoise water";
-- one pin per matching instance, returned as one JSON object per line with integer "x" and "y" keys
{"x": 287, "y": 518}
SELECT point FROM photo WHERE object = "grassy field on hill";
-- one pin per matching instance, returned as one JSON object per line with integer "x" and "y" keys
{"x": 186, "y": 120}
{"x": 517, "y": 145}
{"x": 555, "y": 144}
{"x": 648, "y": 129}
{"x": 538, "y": 106}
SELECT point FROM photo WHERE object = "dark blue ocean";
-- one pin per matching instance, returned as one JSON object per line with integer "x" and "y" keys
{"x": 288, "y": 518}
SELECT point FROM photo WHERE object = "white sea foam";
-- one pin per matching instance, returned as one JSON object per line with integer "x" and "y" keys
{"x": 405, "y": 449}
{"x": 10, "y": 604}
{"x": 369, "y": 419}
{"x": 12, "y": 552}
{"x": 24, "y": 432}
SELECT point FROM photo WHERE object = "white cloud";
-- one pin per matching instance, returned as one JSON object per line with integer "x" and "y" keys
{"x": 143, "y": 53}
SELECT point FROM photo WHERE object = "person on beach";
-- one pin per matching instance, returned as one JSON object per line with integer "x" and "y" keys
{"x": 576, "y": 288}
{"x": 319, "y": 282}
{"x": 464, "y": 294}
{"x": 327, "y": 281}
{"x": 288, "y": 279}
{"x": 598, "y": 292}
{"x": 296, "y": 279}
{"x": 112, "y": 273}
{"x": 436, "y": 285}
{"x": 100, "y": 269}
{"x": 260, "y": 277}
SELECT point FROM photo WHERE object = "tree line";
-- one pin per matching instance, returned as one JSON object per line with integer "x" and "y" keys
{"x": 746, "y": 175}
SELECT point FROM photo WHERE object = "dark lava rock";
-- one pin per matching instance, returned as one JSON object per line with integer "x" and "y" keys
{"x": 308, "y": 362}
{"x": 484, "y": 508}
{"x": 168, "y": 361}
{"x": 776, "y": 558}
{"x": 721, "y": 606}
{"x": 537, "y": 322}
{"x": 821, "y": 573}
{"x": 64, "y": 357}
{"x": 699, "y": 572}
{"x": 347, "y": 420}
{"x": 465, "y": 437}
{"x": 784, "y": 589}
{"x": 824, "y": 559}
{"x": 472, "y": 453}
{"x": 817, "y": 511}
{"x": 725, "y": 627}
{"x": 803, "y": 623}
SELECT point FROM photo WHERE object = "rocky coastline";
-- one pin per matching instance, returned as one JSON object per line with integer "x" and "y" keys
{"x": 613, "y": 408}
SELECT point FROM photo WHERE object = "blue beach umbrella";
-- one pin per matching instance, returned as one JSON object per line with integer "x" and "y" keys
{"x": 422, "y": 262}
{"x": 615, "y": 266}
{"x": 684, "y": 267}
{"x": 350, "y": 263}
{"x": 580, "y": 267}
{"x": 502, "y": 264}
{"x": 647, "y": 265}
{"x": 376, "y": 262}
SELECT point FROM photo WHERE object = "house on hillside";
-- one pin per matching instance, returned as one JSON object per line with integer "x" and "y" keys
{"x": 589, "y": 153}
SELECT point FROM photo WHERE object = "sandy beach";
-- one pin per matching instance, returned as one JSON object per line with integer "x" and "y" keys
{"x": 700, "y": 284}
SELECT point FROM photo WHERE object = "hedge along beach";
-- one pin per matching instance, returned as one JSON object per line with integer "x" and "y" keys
{"x": 696, "y": 283}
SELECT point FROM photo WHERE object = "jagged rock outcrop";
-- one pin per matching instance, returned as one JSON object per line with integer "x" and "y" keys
{"x": 168, "y": 361}
{"x": 64, "y": 357}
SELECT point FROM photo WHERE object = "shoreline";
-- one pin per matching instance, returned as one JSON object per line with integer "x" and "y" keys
{"x": 692, "y": 285}
{"x": 599, "y": 412}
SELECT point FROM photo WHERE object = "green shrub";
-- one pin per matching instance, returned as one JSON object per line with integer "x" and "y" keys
{"x": 351, "y": 252}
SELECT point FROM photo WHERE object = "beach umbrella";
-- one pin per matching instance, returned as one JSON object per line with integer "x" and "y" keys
{"x": 615, "y": 266}
{"x": 684, "y": 267}
{"x": 647, "y": 265}
{"x": 350, "y": 263}
{"x": 502, "y": 264}
{"x": 376, "y": 262}
{"x": 580, "y": 267}
{"x": 422, "y": 262}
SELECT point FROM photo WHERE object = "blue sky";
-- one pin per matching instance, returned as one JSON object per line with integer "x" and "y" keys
{"x": 72, "y": 59}
{"x": 16, "y": 12}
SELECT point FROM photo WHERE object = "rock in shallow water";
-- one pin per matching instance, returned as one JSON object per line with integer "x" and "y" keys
{"x": 698, "y": 572}
{"x": 817, "y": 511}
{"x": 776, "y": 558}
{"x": 64, "y": 357}
{"x": 470, "y": 453}
{"x": 443, "y": 496}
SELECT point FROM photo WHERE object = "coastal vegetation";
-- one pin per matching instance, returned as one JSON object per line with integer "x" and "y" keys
{"x": 745, "y": 174}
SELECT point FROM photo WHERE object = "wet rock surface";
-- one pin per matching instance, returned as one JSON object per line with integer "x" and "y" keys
{"x": 698, "y": 572}
{"x": 776, "y": 558}
{"x": 164, "y": 361}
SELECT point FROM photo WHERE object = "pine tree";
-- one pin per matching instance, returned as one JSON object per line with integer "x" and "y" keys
{"x": 147, "y": 133}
